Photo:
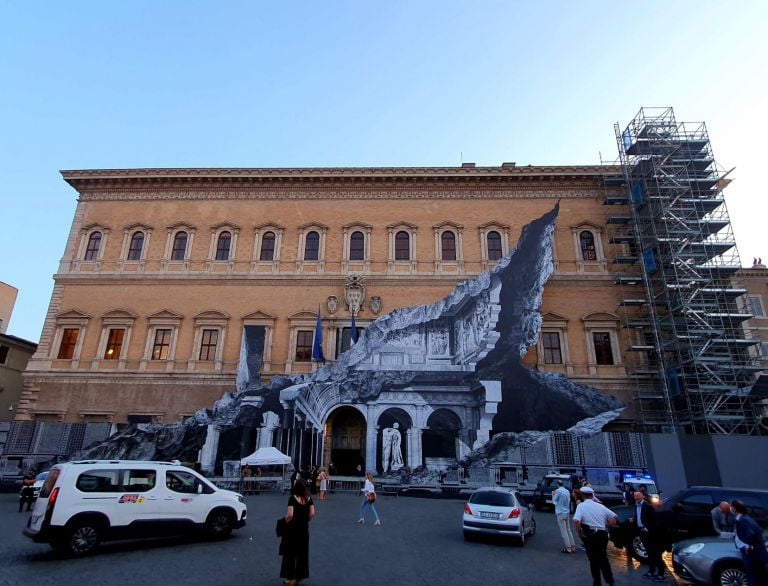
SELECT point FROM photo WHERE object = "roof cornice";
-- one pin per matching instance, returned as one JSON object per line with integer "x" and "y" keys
{"x": 100, "y": 178}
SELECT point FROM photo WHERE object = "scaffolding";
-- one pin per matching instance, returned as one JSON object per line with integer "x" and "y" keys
{"x": 676, "y": 263}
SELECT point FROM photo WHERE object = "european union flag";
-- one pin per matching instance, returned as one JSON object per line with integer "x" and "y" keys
{"x": 317, "y": 345}
{"x": 353, "y": 335}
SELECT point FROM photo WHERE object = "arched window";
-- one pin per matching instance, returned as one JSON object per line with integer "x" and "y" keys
{"x": 357, "y": 246}
{"x": 312, "y": 246}
{"x": 494, "y": 245}
{"x": 267, "y": 246}
{"x": 94, "y": 243}
{"x": 402, "y": 245}
{"x": 448, "y": 245}
{"x": 223, "y": 246}
{"x": 136, "y": 246}
{"x": 587, "y": 241}
{"x": 179, "y": 251}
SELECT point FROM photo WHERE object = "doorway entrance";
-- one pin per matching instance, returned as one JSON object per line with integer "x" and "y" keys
{"x": 346, "y": 428}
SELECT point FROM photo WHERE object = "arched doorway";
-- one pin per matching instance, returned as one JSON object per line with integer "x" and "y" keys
{"x": 392, "y": 447}
{"x": 440, "y": 437}
{"x": 345, "y": 446}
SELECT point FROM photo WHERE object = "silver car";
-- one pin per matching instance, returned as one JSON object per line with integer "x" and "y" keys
{"x": 498, "y": 511}
{"x": 710, "y": 560}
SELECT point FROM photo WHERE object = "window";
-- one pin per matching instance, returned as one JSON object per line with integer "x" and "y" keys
{"x": 551, "y": 344}
{"x": 267, "y": 246}
{"x": 603, "y": 351}
{"x": 494, "y": 245}
{"x": 162, "y": 344}
{"x": 134, "y": 419}
{"x": 697, "y": 503}
{"x": 94, "y": 243}
{"x": 304, "y": 340}
{"x": 68, "y": 343}
{"x": 223, "y": 246}
{"x": 185, "y": 482}
{"x": 587, "y": 242}
{"x": 114, "y": 344}
{"x": 402, "y": 245}
{"x": 179, "y": 250}
{"x": 357, "y": 246}
{"x": 3, "y": 354}
{"x": 98, "y": 481}
{"x": 344, "y": 338}
{"x": 136, "y": 246}
{"x": 755, "y": 305}
{"x": 312, "y": 246}
{"x": 208, "y": 344}
{"x": 139, "y": 480}
{"x": 448, "y": 245}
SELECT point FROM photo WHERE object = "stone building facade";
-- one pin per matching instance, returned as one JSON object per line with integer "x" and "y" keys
{"x": 164, "y": 269}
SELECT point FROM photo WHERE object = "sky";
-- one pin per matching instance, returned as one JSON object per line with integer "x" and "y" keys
{"x": 185, "y": 83}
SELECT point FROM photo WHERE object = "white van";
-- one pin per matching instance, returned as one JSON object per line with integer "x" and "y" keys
{"x": 84, "y": 503}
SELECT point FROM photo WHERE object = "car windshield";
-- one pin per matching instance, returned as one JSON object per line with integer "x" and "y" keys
{"x": 493, "y": 499}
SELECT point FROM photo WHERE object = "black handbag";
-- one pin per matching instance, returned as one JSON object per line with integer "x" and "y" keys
{"x": 281, "y": 528}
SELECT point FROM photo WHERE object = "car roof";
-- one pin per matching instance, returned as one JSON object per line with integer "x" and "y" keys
{"x": 495, "y": 489}
{"x": 729, "y": 489}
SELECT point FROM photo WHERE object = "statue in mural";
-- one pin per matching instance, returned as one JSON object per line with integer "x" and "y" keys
{"x": 391, "y": 451}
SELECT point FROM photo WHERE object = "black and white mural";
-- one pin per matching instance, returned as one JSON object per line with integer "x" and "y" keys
{"x": 423, "y": 388}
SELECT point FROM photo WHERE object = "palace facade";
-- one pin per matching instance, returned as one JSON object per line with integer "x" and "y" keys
{"x": 164, "y": 269}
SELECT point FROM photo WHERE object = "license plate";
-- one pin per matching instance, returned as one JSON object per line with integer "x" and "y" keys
{"x": 486, "y": 515}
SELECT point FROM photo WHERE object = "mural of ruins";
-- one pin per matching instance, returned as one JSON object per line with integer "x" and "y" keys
{"x": 423, "y": 388}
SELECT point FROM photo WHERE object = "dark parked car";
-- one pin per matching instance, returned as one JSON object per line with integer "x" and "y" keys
{"x": 687, "y": 514}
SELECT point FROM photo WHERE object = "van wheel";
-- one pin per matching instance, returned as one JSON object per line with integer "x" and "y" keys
{"x": 219, "y": 524}
{"x": 81, "y": 539}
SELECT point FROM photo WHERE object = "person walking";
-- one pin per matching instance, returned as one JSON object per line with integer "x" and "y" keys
{"x": 561, "y": 498}
{"x": 27, "y": 493}
{"x": 592, "y": 520}
{"x": 723, "y": 520}
{"x": 749, "y": 541}
{"x": 648, "y": 526}
{"x": 295, "y": 543}
{"x": 369, "y": 497}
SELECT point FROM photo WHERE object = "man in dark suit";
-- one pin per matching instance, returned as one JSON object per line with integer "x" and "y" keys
{"x": 650, "y": 530}
{"x": 749, "y": 541}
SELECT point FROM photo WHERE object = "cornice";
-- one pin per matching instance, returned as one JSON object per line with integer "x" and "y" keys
{"x": 340, "y": 183}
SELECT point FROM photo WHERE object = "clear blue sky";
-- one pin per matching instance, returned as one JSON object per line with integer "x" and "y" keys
{"x": 255, "y": 84}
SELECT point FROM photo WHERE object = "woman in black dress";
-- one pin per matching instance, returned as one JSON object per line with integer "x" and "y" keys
{"x": 295, "y": 544}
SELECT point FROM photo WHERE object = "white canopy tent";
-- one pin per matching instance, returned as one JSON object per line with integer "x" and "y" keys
{"x": 266, "y": 457}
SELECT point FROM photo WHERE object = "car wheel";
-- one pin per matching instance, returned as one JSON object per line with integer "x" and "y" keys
{"x": 637, "y": 550}
{"x": 532, "y": 530}
{"x": 81, "y": 539}
{"x": 730, "y": 576}
{"x": 219, "y": 524}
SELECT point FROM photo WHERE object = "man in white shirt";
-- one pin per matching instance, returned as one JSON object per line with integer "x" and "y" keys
{"x": 561, "y": 498}
{"x": 592, "y": 521}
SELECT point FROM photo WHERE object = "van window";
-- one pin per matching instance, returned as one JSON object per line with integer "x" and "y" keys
{"x": 757, "y": 508}
{"x": 697, "y": 503}
{"x": 50, "y": 481}
{"x": 184, "y": 482}
{"x": 139, "y": 480}
{"x": 97, "y": 481}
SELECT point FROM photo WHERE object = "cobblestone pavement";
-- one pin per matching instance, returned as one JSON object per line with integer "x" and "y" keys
{"x": 419, "y": 543}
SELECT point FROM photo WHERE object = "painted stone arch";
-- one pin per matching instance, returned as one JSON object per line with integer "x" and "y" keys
{"x": 440, "y": 437}
{"x": 393, "y": 426}
{"x": 345, "y": 440}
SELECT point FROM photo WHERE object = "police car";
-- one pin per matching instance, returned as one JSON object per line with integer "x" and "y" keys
{"x": 84, "y": 503}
